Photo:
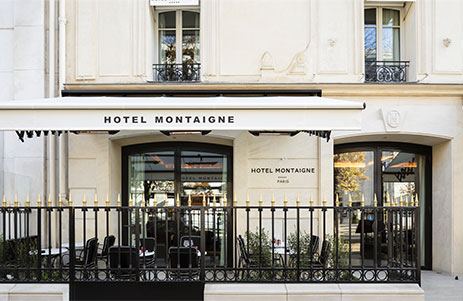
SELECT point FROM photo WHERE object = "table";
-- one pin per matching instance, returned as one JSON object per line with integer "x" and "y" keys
{"x": 78, "y": 245}
{"x": 53, "y": 253}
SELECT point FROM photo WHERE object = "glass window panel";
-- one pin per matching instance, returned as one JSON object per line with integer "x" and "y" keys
{"x": 353, "y": 172}
{"x": 167, "y": 46}
{"x": 370, "y": 43}
{"x": 190, "y": 19}
{"x": 167, "y": 20}
{"x": 391, "y": 17}
{"x": 370, "y": 16}
{"x": 390, "y": 44}
{"x": 190, "y": 46}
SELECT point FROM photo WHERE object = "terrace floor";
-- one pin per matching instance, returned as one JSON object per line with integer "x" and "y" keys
{"x": 438, "y": 286}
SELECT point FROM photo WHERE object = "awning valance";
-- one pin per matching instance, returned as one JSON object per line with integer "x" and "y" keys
{"x": 181, "y": 113}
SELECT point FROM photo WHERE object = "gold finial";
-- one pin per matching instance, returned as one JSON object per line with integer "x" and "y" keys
{"x": 225, "y": 200}
{"x": 285, "y": 201}
{"x": 204, "y": 200}
{"x": 362, "y": 202}
{"x": 311, "y": 201}
{"x": 324, "y": 200}
{"x": 60, "y": 203}
{"x": 70, "y": 200}
{"x": 166, "y": 201}
{"x": 189, "y": 200}
{"x": 15, "y": 200}
{"x": 143, "y": 203}
{"x": 49, "y": 200}
{"x": 337, "y": 200}
{"x": 406, "y": 201}
{"x": 118, "y": 200}
{"x": 178, "y": 200}
{"x": 107, "y": 200}
{"x": 401, "y": 202}
{"x": 39, "y": 203}
{"x": 260, "y": 200}
{"x": 298, "y": 201}
{"x": 350, "y": 200}
{"x": 96, "y": 200}
{"x": 155, "y": 202}
{"x": 4, "y": 201}
{"x": 247, "y": 200}
{"x": 84, "y": 201}
{"x": 375, "y": 200}
{"x": 214, "y": 200}
{"x": 235, "y": 202}
{"x": 416, "y": 200}
{"x": 130, "y": 200}
{"x": 273, "y": 200}
{"x": 28, "y": 202}
{"x": 387, "y": 200}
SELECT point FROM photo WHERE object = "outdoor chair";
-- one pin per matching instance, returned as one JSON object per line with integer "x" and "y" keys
{"x": 148, "y": 244}
{"x": 190, "y": 241}
{"x": 124, "y": 262}
{"x": 245, "y": 258}
{"x": 313, "y": 246}
{"x": 107, "y": 243}
{"x": 185, "y": 259}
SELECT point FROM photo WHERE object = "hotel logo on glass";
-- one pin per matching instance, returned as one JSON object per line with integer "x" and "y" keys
{"x": 173, "y": 2}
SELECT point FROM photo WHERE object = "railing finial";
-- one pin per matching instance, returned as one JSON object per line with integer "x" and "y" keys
{"x": 28, "y": 202}
{"x": 416, "y": 200}
{"x": 375, "y": 200}
{"x": 324, "y": 200}
{"x": 16, "y": 200}
{"x": 204, "y": 200}
{"x": 247, "y": 200}
{"x": 362, "y": 202}
{"x": 177, "y": 202}
{"x": 107, "y": 200}
{"x": 401, "y": 201}
{"x": 49, "y": 200}
{"x": 214, "y": 200}
{"x": 311, "y": 201}
{"x": 96, "y": 200}
{"x": 298, "y": 202}
{"x": 143, "y": 203}
{"x": 84, "y": 201}
{"x": 130, "y": 200}
{"x": 273, "y": 200}
{"x": 39, "y": 203}
{"x": 225, "y": 200}
{"x": 4, "y": 201}
{"x": 260, "y": 200}
{"x": 70, "y": 200}
{"x": 285, "y": 201}
{"x": 235, "y": 202}
{"x": 189, "y": 200}
{"x": 350, "y": 200}
{"x": 60, "y": 203}
{"x": 118, "y": 200}
{"x": 337, "y": 200}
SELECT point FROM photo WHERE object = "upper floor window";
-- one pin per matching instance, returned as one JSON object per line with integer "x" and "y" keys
{"x": 382, "y": 46}
{"x": 178, "y": 46}
{"x": 382, "y": 34}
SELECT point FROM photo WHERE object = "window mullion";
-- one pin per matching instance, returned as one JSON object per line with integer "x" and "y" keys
{"x": 379, "y": 34}
{"x": 178, "y": 32}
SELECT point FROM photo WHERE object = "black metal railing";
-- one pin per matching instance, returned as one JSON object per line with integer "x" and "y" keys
{"x": 386, "y": 71}
{"x": 210, "y": 244}
{"x": 186, "y": 72}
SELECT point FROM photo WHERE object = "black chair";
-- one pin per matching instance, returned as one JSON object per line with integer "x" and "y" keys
{"x": 148, "y": 244}
{"x": 88, "y": 255}
{"x": 322, "y": 258}
{"x": 313, "y": 246}
{"x": 124, "y": 262}
{"x": 190, "y": 241}
{"x": 107, "y": 243}
{"x": 186, "y": 260}
{"x": 245, "y": 260}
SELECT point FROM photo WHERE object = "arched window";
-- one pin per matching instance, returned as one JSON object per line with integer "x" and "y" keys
{"x": 382, "y": 34}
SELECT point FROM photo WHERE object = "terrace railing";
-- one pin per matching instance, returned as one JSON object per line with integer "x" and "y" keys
{"x": 210, "y": 244}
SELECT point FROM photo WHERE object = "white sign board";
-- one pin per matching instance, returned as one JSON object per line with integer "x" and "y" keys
{"x": 173, "y": 2}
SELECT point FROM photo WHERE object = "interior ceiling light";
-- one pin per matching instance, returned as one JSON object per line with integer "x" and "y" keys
{"x": 180, "y": 133}
{"x": 274, "y": 133}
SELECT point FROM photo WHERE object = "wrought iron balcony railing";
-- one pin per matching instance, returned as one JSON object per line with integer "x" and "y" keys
{"x": 192, "y": 243}
{"x": 386, "y": 71}
{"x": 186, "y": 72}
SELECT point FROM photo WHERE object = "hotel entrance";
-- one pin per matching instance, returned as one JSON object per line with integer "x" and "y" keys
{"x": 180, "y": 174}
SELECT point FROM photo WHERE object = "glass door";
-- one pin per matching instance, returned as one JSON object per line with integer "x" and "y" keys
{"x": 162, "y": 173}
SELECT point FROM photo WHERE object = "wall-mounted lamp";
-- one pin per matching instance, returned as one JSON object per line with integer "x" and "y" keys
{"x": 273, "y": 133}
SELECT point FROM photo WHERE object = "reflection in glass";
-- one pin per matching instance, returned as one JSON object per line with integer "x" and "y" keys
{"x": 167, "y": 20}
{"x": 167, "y": 46}
{"x": 190, "y": 46}
{"x": 391, "y": 44}
{"x": 370, "y": 43}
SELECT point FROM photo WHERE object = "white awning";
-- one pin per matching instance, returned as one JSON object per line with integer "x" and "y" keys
{"x": 279, "y": 113}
